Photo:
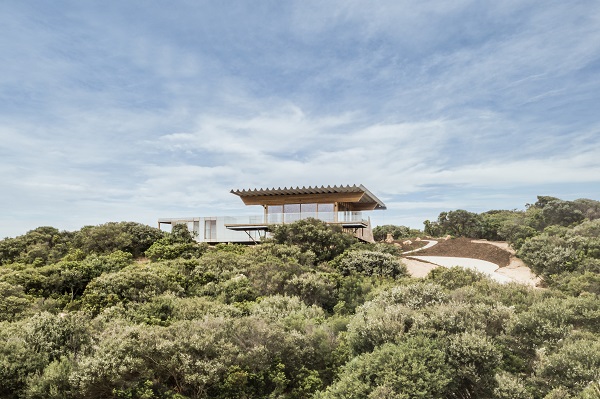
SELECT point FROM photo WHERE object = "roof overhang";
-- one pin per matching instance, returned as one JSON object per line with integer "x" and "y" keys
{"x": 360, "y": 198}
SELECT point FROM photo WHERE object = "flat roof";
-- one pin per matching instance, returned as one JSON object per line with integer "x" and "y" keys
{"x": 352, "y": 194}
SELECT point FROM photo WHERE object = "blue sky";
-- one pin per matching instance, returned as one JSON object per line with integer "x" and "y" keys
{"x": 135, "y": 110}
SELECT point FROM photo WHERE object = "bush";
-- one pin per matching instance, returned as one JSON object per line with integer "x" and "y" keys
{"x": 414, "y": 296}
{"x": 13, "y": 302}
{"x": 371, "y": 263}
{"x": 415, "y": 368}
{"x": 454, "y": 277}
{"x": 575, "y": 365}
{"x": 324, "y": 240}
{"x": 473, "y": 358}
{"x": 133, "y": 284}
{"x": 314, "y": 289}
{"x": 398, "y": 232}
{"x": 161, "y": 250}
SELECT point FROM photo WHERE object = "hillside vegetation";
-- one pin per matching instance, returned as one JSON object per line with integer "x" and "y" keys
{"x": 123, "y": 310}
{"x": 559, "y": 240}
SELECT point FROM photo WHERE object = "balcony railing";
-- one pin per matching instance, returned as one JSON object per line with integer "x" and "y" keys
{"x": 282, "y": 218}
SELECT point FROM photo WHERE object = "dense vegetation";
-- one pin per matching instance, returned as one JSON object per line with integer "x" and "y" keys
{"x": 123, "y": 310}
{"x": 559, "y": 240}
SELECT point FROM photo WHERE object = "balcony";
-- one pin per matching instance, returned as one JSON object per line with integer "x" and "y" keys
{"x": 344, "y": 219}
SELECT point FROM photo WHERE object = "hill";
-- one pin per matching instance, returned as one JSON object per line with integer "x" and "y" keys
{"x": 122, "y": 310}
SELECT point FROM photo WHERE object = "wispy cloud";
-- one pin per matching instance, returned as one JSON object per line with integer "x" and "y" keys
{"x": 432, "y": 105}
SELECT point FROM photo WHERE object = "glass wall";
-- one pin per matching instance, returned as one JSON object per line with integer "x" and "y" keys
{"x": 326, "y": 212}
{"x": 275, "y": 214}
{"x": 289, "y": 213}
{"x": 308, "y": 210}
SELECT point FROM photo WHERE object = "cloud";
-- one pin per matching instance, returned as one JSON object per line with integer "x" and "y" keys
{"x": 429, "y": 104}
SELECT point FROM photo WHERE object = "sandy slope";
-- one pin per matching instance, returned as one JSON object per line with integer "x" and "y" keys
{"x": 516, "y": 270}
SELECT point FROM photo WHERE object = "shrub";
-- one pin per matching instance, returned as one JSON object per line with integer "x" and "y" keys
{"x": 13, "y": 301}
{"x": 380, "y": 232}
{"x": 371, "y": 263}
{"x": 324, "y": 240}
{"x": 454, "y": 277}
{"x": 415, "y": 368}
{"x": 575, "y": 365}
{"x": 133, "y": 284}
{"x": 314, "y": 289}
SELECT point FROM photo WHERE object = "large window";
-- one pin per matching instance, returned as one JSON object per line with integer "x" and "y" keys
{"x": 275, "y": 213}
{"x": 289, "y": 213}
{"x": 326, "y": 212}
{"x": 308, "y": 210}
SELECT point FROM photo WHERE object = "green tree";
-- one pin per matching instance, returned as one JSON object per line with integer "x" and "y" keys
{"x": 39, "y": 246}
{"x": 371, "y": 263}
{"x": 574, "y": 366}
{"x": 414, "y": 368}
{"x": 131, "y": 237}
{"x": 324, "y": 240}
{"x": 459, "y": 223}
{"x": 18, "y": 360}
{"x": 132, "y": 284}
{"x": 563, "y": 213}
{"x": 398, "y": 232}
{"x": 13, "y": 302}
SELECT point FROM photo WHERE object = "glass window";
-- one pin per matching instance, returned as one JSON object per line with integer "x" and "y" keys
{"x": 274, "y": 213}
{"x": 308, "y": 208}
{"x": 308, "y": 211}
{"x": 326, "y": 213}
{"x": 325, "y": 207}
{"x": 291, "y": 208}
{"x": 291, "y": 212}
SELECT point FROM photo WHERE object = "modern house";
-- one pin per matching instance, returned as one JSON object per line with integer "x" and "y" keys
{"x": 340, "y": 205}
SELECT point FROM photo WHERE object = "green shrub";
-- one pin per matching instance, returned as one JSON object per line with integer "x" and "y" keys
{"x": 371, "y": 263}
{"x": 415, "y": 368}
{"x": 454, "y": 277}
{"x": 324, "y": 240}
{"x": 574, "y": 366}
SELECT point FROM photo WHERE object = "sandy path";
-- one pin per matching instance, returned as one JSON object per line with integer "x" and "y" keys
{"x": 430, "y": 243}
{"x": 417, "y": 268}
{"x": 483, "y": 266}
{"x": 516, "y": 269}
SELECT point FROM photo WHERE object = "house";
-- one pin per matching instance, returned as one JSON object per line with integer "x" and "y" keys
{"x": 340, "y": 205}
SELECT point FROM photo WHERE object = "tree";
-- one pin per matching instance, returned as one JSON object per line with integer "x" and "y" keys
{"x": 563, "y": 213}
{"x": 575, "y": 365}
{"x": 459, "y": 223}
{"x": 398, "y": 232}
{"x": 371, "y": 263}
{"x": 40, "y": 246}
{"x": 133, "y": 284}
{"x": 131, "y": 237}
{"x": 324, "y": 240}
{"x": 414, "y": 368}
{"x": 13, "y": 301}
